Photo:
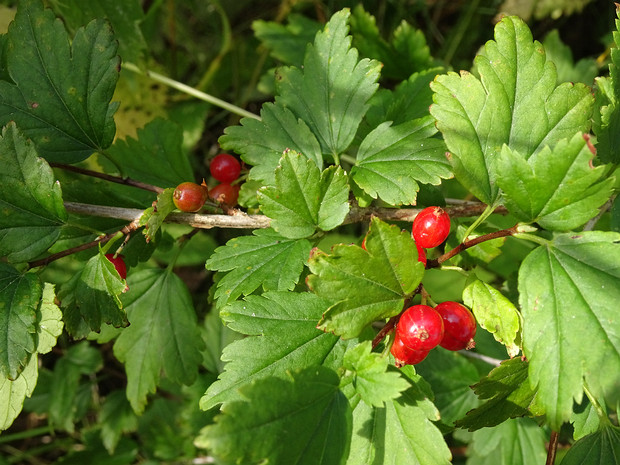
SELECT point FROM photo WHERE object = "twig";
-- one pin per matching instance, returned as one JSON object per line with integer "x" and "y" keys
{"x": 109, "y": 177}
{"x": 553, "y": 447}
{"x": 485, "y": 358}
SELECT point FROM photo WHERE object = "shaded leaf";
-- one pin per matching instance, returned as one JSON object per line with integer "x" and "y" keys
{"x": 365, "y": 286}
{"x": 602, "y": 448}
{"x": 559, "y": 189}
{"x": 264, "y": 259}
{"x": 62, "y": 89}
{"x": 163, "y": 335}
{"x": 31, "y": 202}
{"x": 569, "y": 293}
{"x": 515, "y": 102}
{"x": 304, "y": 198}
{"x": 332, "y": 91}
{"x": 116, "y": 417}
{"x": 284, "y": 339}
{"x": 155, "y": 157}
{"x": 507, "y": 394}
{"x": 264, "y": 427}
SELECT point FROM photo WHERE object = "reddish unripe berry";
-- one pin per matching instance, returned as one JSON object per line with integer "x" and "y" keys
{"x": 225, "y": 168}
{"x": 421, "y": 254}
{"x": 431, "y": 227}
{"x": 459, "y": 326}
{"x": 420, "y": 327}
{"x": 189, "y": 196}
{"x": 119, "y": 264}
{"x": 225, "y": 193}
{"x": 404, "y": 355}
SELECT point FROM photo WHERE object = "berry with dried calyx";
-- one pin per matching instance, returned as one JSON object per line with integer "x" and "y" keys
{"x": 404, "y": 355}
{"x": 420, "y": 327}
{"x": 459, "y": 326}
{"x": 189, "y": 196}
{"x": 225, "y": 193}
{"x": 431, "y": 227}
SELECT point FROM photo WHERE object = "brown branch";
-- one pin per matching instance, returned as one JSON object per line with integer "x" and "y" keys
{"x": 553, "y": 447}
{"x": 109, "y": 177}
{"x": 468, "y": 244}
{"x": 100, "y": 240}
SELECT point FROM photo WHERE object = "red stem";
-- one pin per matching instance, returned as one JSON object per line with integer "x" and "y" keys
{"x": 553, "y": 447}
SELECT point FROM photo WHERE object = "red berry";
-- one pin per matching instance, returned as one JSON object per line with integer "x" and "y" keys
{"x": 421, "y": 254}
{"x": 225, "y": 168}
{"x": 189, "y": 197}
{"x": 420, "y": 327}
{"x": 225, "y": 193}
{"x": 118, "y": 263}
{"x": 404, "y": 355}
{"x": 459, "y": 326}
{"x": 431, "y": 227}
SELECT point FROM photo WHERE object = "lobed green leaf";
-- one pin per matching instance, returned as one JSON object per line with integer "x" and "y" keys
{"x": 163, "y": 335}
{"x": 284, "y": 338}
{"x": 559, "y": 189}
{"x": 599, "y": 448}
{"x": 366, "y": 285}
{"x": 515, "y": 103}
{"x": 265, "y": 259}
{"x": 304, "y": 198}
{"x": 61, "y": 90}
{"x": 331, "y": 93}
{"x": 391, "y": 160}
{"x": 569, "y": 293}
{"x": 264, "y": 426}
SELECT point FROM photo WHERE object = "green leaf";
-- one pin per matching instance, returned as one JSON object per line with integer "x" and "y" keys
{"x": 602, "y": 448}
{"x": 261, "y": 143}
{"x": 287, "y": 43}
{"x": 264, "y": 259}
{"x": 366, "y": 285}
{"x": 155, "y": 157}
{"x": 370, "y": 376}
{"x": 513, "y": 442}
{"x": 216, "y": 336}
{"x": 30, "y": 200}
{"x": 569, "y": 293}
{"x": 284, "y": 338}
{"x": 91, "y": 298}
{"x": 265, "y": 426}
{"x": 19, "y": 299}
{"x": 392, "y": 158}
{"x": 163, "y": 334}
{"x": 450, "y": 376}
{"x": 585, "y": 420}
{"x": 559, "y": 189}
{"x": 62, "y": 89}
{"x": 304, "y": 199}
{"x": 495, "y": 313}
{"x": 13, "y": 393}
{"x": 125, "y": 18}
{"x": 80, "y": 359}
{"x": 507, "y": 394}
{"x": 153, "y": 217}
{"x": 607, "y": 127}
{"x": 116, "y": 417}
{"x": 332, "y": 91}
{"x": 49, "y": 320}
{"x": 515, "y": 102}
{"x": 402, "y": 432}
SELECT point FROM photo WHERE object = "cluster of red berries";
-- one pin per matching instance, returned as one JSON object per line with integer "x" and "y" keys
{"x": 421, "y": 328}
{"x": 190, "y": 197}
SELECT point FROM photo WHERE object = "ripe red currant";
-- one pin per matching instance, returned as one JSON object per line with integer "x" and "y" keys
{"x": 431, "y": 227}
{"x": 225, "y": 168}
{"x": 420, "y": 327}
{"x": 189, "y": 197}
{"x": 459, "y": 326}
{"x": 225, "y": 193}
{"x": 404, "y": 355}
{"x": 119, "y": 264}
